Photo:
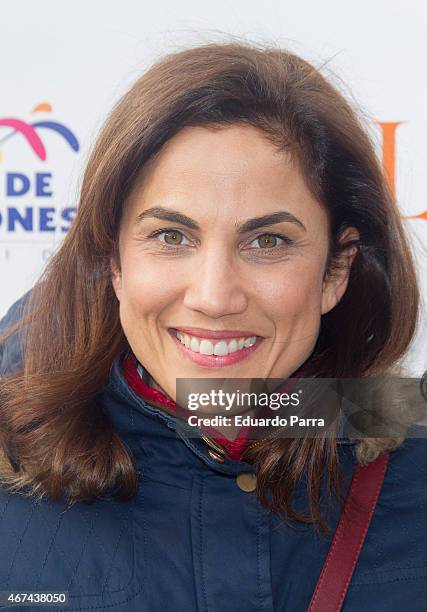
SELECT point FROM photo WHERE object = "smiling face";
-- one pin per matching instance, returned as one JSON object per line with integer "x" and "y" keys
{"x": 222, "y": 240}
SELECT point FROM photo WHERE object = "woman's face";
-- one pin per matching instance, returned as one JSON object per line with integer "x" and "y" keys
{"x": 221, "y": 240}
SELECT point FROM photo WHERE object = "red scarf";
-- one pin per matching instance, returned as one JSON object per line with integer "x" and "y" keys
{"x": 234, "y": 447}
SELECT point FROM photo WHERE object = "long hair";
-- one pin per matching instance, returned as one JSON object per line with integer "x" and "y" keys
{"x": 56, "y": 439}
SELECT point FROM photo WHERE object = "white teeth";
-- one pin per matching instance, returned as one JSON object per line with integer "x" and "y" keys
{"x": 194, "y": 344}
{"x": 220, "y": 348}
{"x": 232, "y": 346}
{"x": 206, "y": 347}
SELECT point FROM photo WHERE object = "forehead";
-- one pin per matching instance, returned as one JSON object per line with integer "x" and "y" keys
{"x": 234, "y": 168}
{"x": 206, "y": 154}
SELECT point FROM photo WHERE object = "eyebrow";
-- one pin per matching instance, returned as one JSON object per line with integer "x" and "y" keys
{"x": 167, "y": 214}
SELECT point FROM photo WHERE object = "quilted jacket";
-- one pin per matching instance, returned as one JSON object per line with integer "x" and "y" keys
{"x": 192, "y": 540}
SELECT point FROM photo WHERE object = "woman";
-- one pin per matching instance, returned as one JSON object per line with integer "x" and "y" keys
{"x": 233, "y": 222}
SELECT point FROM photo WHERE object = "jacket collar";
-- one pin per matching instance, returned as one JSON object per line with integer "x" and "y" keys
{"x": 138, "y": 379}
{"x": 133, "y": 417}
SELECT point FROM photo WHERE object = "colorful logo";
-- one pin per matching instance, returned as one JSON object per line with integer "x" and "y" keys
{"x": 30, "y": 131}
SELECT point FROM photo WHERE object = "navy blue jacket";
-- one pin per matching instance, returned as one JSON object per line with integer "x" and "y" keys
{"x": 192, "y": 540}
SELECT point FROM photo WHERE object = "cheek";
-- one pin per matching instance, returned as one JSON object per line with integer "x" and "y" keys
{"x": 295, "y": 311}
{"x": 147, "y": 288}
{"x": 294, "y": 294}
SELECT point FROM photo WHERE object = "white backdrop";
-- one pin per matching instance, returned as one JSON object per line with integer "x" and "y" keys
{"x": 63, "y": 65}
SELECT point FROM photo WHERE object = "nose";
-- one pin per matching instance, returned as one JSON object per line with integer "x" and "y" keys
{"x": 215, "y": 289}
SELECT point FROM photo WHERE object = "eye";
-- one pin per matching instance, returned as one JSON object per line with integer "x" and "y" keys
{"x": 270, "y": 241}
{"x": 171, "y": 237}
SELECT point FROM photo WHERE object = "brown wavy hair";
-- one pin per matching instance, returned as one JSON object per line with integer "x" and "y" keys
{"x": 55, "y": 437}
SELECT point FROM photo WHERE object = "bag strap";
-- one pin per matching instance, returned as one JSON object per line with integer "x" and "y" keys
{"x": 349, "y": 536}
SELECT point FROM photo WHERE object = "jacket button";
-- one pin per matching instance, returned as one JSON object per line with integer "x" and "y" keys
{"x": 246, "y": 482}
{"x": 216, "y": 456}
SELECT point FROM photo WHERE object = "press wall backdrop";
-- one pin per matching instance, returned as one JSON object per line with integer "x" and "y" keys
{"x": 64, "y": 64}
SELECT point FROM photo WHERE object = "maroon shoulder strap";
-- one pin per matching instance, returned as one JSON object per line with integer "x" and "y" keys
{"x": 349, "y": 536}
